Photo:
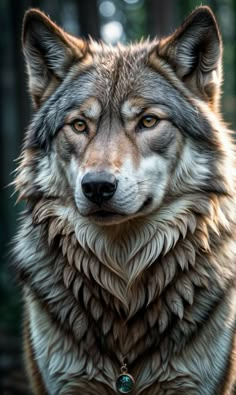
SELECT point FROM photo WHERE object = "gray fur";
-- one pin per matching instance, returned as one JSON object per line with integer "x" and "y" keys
{"x": 155, "y": 282}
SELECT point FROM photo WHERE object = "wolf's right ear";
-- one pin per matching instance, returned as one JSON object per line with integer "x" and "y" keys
{"x": 49, "y": 53}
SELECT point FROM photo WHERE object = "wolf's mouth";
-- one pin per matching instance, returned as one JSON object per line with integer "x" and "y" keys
{"x": 106, "y": 217}
{"x": 105, "y": 214}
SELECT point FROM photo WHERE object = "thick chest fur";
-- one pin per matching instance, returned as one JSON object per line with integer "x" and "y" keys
{"x": 68, "y": 367}
{"x": 178, "y": 311}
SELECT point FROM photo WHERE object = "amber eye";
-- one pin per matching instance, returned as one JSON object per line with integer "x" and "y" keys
{"x": 79, "y": 126}
{"x": 148, "y": 121}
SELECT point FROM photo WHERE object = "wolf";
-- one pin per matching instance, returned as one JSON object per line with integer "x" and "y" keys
{"x": 126, "y": 248}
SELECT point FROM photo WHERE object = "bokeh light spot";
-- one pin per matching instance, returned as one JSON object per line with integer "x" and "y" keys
{"x": 107, "y": 9}
{"x": 112, "y": 32}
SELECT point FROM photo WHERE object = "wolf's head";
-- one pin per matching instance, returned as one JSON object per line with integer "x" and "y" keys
{"x": 121, "y": 131}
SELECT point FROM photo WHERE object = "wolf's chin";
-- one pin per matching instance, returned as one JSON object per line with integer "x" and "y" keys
{"x": 105, "y": 217}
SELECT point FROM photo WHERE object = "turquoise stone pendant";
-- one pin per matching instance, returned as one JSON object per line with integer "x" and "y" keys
{"x": 125, "y": 382}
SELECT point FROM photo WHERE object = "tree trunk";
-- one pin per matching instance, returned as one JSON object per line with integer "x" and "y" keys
{"x": 89, "y": 18}
{"x": 161, "y": 17}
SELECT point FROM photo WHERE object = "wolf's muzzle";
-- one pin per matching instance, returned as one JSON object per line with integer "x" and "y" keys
{"x": 98, "y": 187}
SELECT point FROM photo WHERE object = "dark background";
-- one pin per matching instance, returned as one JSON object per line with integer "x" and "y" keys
{"x": 113, "y": 20}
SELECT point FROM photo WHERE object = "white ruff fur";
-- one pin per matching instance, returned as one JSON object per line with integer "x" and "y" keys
{"x": 116, "y": 259}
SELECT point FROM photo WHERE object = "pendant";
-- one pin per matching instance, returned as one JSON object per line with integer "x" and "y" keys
{"x": 125, "y": 382}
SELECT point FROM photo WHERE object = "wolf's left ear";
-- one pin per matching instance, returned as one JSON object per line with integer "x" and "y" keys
{"x": 195, "y": 53}
{"x": 49, "y": 53}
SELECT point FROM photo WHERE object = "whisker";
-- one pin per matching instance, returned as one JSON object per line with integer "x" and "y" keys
{"x": 145, "y": 180}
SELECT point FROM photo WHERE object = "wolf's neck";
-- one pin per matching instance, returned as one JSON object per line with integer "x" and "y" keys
{"x": 117, "y": 282}
{"x": 135, "y": 262}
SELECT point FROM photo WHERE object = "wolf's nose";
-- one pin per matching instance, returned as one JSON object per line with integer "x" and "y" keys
{"x": 99, "y": 187}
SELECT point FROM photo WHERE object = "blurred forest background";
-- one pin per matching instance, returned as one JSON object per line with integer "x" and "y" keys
{"x": 111, "y": 20}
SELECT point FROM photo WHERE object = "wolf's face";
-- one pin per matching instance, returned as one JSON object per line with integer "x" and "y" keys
{"x": 118, "y": 146}
{"x": 122, "y": 131}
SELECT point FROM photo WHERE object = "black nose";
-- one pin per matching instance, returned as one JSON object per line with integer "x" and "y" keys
{"x": 99, "y": 187}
